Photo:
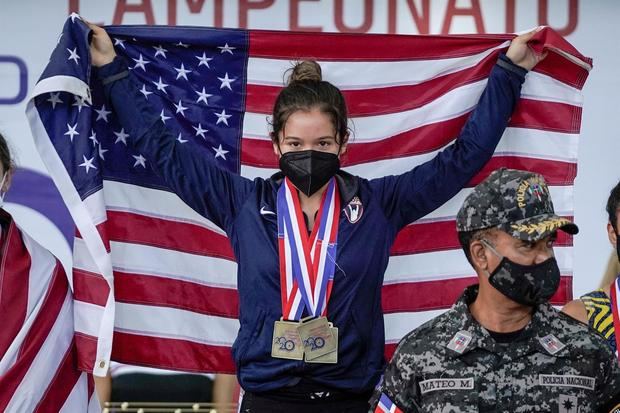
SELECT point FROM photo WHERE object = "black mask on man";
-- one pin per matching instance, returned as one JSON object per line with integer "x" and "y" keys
{"x": 309, "y": 170}
{"x": 526, "y": 284}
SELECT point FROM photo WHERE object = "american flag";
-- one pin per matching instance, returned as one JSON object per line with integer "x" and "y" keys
{"x": 38, "y": 356}
{"x": 160, "y": 280}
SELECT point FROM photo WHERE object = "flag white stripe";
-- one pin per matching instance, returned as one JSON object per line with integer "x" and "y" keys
{"x": 46, "y": 362}
{"x": 87, "y": 317}
{"x": 452, "y": 104}
{"x": 148, "y": 260}
{"x": 42, "y": 264}
{"x": 367, "y": 74}
{"x": 443, "y": 265}
{"x": 397, "y": 325}
{"x": 76, "y": 401}
{"x": 175, "y": 323}
{"x": 153, "y": 203}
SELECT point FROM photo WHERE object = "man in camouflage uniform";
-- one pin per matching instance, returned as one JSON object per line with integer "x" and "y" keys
{"x": 502, "y": 347}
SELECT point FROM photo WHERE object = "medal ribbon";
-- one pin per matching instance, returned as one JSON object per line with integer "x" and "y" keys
{"x": 614, "y": 291}
{"x": 307, "y": 263}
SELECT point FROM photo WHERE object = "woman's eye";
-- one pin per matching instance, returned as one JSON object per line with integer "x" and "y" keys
{"x": 323, "y": 143}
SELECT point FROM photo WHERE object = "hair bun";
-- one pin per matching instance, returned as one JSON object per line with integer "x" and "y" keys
{"x": 306, "y": 70}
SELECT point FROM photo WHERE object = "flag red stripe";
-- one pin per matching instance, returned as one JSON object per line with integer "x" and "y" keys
{"x": 90, "y": 287}
{"x": 171, "y": 354}
{"x": 36, "y": 336}
{"x": 366, "y": 47}
{"x": 164, "y": 233}
{"x": 558, "y": 68}
{"x": 383, "y": 100}
{"x": 62, "y": 384}
{"x": 86, "y": 351}
{"x": 556, "y": 173}
{"x": 550, "y": 116}
{"x": 389, "y": 350}
{"x": 14, "y": 278}
{"x": 167, "y": 292}
{"x": 425, "y": 237}
{"x": 556, "y": 117}
{"x": 398, "y": 297}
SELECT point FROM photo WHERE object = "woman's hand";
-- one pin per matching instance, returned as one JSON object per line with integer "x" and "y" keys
{"x": 101, "y": 47}
{"x": 521, "y": 54}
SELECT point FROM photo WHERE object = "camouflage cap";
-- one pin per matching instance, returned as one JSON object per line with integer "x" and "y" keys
{"x": 517, "y": 202}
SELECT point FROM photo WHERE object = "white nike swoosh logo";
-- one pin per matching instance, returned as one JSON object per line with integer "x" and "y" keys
{"x": 264, "y": 211}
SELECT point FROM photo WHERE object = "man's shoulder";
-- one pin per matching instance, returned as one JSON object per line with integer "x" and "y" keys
{"x": 577, "y": 335}
{"x": 430, "y": 336}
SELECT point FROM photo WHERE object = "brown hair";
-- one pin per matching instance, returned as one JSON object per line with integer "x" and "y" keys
{"x": 5, "y": 156}
{"x": 306, "y": 90}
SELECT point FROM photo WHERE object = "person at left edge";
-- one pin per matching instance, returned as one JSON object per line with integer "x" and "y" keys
{"x": 310, "y": 125}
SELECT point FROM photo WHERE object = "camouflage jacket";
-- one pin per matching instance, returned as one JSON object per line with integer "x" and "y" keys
{"x": 452, "y": 364}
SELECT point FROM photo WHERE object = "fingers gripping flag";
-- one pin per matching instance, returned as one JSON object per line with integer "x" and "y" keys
{"x": 155, "y": 283}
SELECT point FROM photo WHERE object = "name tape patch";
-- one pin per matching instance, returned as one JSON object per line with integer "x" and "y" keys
{"x": 456, "y": 383}
{"x": 553, "y": 380}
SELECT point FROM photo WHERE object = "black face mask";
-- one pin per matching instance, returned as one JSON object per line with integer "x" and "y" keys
{"x": 526, "y": 284}
{"x": 309, "y": 170}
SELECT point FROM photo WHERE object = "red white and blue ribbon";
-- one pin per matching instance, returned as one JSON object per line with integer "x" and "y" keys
{"x": 614, "y": 293}
{"x": 307, "y": 263}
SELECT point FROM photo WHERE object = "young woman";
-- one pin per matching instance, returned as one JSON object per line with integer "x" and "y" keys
{"x": 312, "y": 240}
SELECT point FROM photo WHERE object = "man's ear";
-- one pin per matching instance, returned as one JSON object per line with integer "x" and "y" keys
{"x": 478, "y": 255}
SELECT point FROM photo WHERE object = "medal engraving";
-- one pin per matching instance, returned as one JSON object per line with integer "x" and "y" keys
{"x": 329, "y": 358}
{"x": 317, "y": 338}
{"x": 286, "y": 342}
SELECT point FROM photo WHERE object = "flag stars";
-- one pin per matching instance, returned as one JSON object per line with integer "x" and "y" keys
{"x": 200, "y": 131}
{"x": 71, "y": 131}
{"x": 140, "y": 160}
{"x": 119, "y": 42}
{"x": 102, "y": 114}
{"x": 180, "y": 108}
{"x": 160, "y": 51}
{"x": 101, "y": 152}
{"x": 161, "y": 85}
{"x": 74, "y": 16}
{"x": 226, "y": 81}
{"x": 220, "y": 152}
{"x": 121, "y": 136}
{"x": 204, "y": 60}
{"x": 182, "y": 72}
{"x": 80, "y": 102}
{"x": 226, "y": 49}
{"x": 93, "y": 137}
{"x": 180, "y": 138}
{"x": 203, "y": 96}
{"x": 73, "y": 55}
{"x": 54, "y": 99}
{"x": 145, "y": 92}
{"x": 222, "y": 117}
{"x": 163, "y": 117}
{"x": 181, "y": 44}
{"x": 141, "y": 63}
{"x": 88, "y": 163}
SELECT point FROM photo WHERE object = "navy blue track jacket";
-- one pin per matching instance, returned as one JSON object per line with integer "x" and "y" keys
{"x": 233, "y": 203}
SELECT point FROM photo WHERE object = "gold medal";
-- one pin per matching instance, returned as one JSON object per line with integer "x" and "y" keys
{"x": 317, "y": 338}
{"x": 286, "y": 342}
{"x": 329, "y": 358}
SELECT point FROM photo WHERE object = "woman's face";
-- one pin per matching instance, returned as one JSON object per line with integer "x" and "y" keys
{"x": 305, "y": 130}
